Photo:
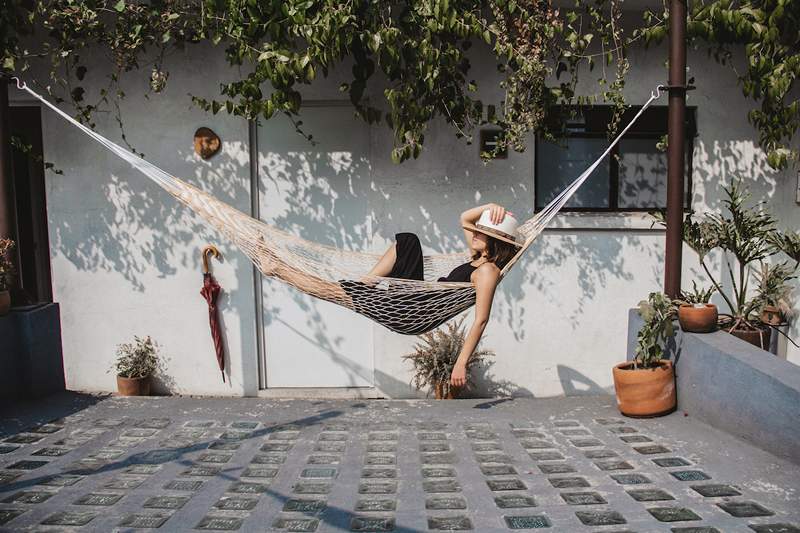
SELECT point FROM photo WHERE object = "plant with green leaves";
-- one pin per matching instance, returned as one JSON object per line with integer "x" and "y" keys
{"x": 774, "y": 288}
{"x": 138, "y": 359}
{"x": 659, "y": 314}
{"x": 7, "y": 270}
{"x": 435, "y": 356}
{"x": 697, "y": 295}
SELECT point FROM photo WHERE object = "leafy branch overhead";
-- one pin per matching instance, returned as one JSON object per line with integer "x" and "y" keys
{"x": 409, "y": 62}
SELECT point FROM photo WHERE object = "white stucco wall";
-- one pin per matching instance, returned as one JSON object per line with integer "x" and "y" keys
{"x": 125, "y": 255}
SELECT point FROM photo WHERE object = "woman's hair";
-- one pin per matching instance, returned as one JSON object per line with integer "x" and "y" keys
{"x": 497, "y": 251}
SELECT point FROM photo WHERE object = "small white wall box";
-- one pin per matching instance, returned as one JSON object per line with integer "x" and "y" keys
{"x": 489, "y": 138}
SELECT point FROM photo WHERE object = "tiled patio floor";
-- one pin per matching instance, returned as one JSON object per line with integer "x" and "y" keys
{"x": 85, "y": 463}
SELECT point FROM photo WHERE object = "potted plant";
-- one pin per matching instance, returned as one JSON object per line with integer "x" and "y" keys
{"x": 6, "y": 275}
{"x": 645, "y": 387}
{"x": 434, "y": 358}
{"x": 695, "y": 313}
{"x": 748, "y": 236}
{"x": 773, "y": 293}
{"x": 136, "y": 362}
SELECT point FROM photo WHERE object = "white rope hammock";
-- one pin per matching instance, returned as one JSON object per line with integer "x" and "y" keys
{"x": 409, "y": 307}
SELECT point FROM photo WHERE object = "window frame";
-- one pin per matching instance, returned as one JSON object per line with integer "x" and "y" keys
{"x": 643, "y": 130}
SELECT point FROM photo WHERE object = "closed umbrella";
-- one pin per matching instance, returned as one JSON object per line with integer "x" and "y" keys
{"x": 210, "y": 292}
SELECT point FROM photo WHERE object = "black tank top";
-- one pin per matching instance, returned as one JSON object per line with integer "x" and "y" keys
{"x": 461, "y": 273}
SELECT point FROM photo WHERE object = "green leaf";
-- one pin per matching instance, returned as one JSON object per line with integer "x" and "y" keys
{"x": 120, "y": 6}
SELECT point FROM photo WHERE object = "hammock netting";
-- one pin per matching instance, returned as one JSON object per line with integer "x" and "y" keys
{"x": 409, "y": 307}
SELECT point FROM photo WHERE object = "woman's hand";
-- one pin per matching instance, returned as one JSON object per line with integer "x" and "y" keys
{"x": 497, "y": 213}
{"x": 459, "y": 376}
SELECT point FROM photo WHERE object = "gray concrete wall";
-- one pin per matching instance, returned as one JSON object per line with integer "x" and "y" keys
{"x": 736, "y": 387}
{"x": 125, "y": 255}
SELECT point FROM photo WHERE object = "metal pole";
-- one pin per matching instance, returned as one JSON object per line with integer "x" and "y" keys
{"x": 8, "y": 212}
{"x": 258, "y": 290}
{"x": 676, "y": 146}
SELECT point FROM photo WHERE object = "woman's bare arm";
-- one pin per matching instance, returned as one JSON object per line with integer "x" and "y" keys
{"x": 487, "y": 276}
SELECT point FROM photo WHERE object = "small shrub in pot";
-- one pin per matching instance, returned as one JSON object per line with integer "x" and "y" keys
{"x": 695, "y": 313}
{"x": 645, "y": 387}
{"x": 136, "y": 363}
{"x": 6, "y": 274}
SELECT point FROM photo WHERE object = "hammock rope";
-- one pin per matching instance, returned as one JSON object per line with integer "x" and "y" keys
{"x": 409, "y": 307}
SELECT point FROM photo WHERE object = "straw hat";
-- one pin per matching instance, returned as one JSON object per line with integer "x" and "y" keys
{"x": 504, "y": 231}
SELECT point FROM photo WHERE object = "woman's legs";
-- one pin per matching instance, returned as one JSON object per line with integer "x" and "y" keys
{"x": 385, "y": 264}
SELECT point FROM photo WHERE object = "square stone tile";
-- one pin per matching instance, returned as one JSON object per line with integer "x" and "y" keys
{"x": 236, "y": 503}
{"x": 382, "y": 436}
{"x": 377, "y": 487}
{"x": 215, "y": 458}
{"x": 556, "y": 468}
{"x": 61, "y": 480}
{"x": 652, "y": 449}
{"x": 482, "y": 446}
{"x": 432, "y": 425}
{"x": 635, "y": 438}
{"x": 514, "y": 501}
{"x": 527, "y": 433}
{"x": 649, "y": 495}
{"x": 441, "y": 485}
{"x": 332, "y": 437}
{"x": 546, "y": 456}
{"x": 21, "y": 438}
{"x": 379, "y": 473}
{"x": 144, "y": 521}
{"x": 493, "y": 457}
{"x": 441, "y": 503}
{"x": 566, "y": 423}
{"x": 4, "y": 449}
{"x": 613, "y": 465}
{"x": 52, "y": 451}
{"x": 744, "y": 509}
{"x": 318, "y": 473}
{"x": 202, "y": 471}
{"x": 609, "y": 421}
{"x": 568, "y": 482}
{"x": 673, "y": 514}
{"x": 224, "y": 445}
{"x": 329, "y": 447}
{"x": 482, "y": 435}
{"x": 260, "y": 472}
{"x": 324, "y": 459}
{"x": 434, "y": 447}
{"x": 586, "y": 443}
{"x": 438, "y": 472}
{"x": 371, "y": 523}
{"x": 199, "y": 424}
{"x": 444, "y": 458}
{"x": 527, "y": 522}
{"x": 623, "y": 429}
{"x": 184, "y": 485}
{"x": 7, "y": 515}
{"x": 375, "y": 505}
{"x": 574, "y": 432}
{"x": 600, "y": 518}
{"x": 165, "y": 502}
{"x": 244, "y": 424}
{"x": 156, "y": 457}
{"x": 336, "y": 426}
{"x": 476, "y": 426}
{"x": 774, "y": 528}
{"x": 698, "y": 529}
{"x": 716, "y": 490}
{"x": 142, "y": 469}
{"x": 583, "y": 498}
{"x": 69, "y": 518}
{"x": 449, "y": 523}
{"x": 505, "y": 484}
{"x": 124, "y": 483}
{"x": 304, "y": 505}
{"x": 269, "y": 459}
{"x": 381, "y": 447}
{"x": 498, "y": 470}
{"x": 428, "y": 435}
{"x": 667, "y": 462}
{"x": 295, "y": 524}
{"x": 276, "y": 446}
{"x": 153, "y": 423}
{"x": 99, "y": 498}
{"x": 26, "y": 465}
{"x": 248, "y": 487}
{"x": 630, "y": 479}
{"x": 29, "y": 496}
{"x": 312, "y": 487}
{"x": 377, "y": 460}
{"x": 139, "y": 433}
{"x": 536, "y": 444}
{"x": 690, "y": 475}
{"x": 219, "y": 523}
{"x": 600, "y": 454}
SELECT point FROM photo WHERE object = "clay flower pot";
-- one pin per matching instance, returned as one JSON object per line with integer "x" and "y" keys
{"x": 5, "y": 302}
{"x": 698, "y": 318}
{"x": 438, "y": 392}
{"x": 133, "y": 386}
{"x": 771, "y": 315}
{"x": 757, "y": 337}
{"x": 645, "y": 392}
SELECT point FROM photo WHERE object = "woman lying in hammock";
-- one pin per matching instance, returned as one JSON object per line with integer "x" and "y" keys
{"x": 490, "y": 234}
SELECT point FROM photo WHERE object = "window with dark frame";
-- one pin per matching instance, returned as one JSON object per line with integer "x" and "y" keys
{"x": 636, "y": 180}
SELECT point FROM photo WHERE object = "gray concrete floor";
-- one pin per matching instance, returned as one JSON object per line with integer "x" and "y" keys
{"x": 89, "y": 463}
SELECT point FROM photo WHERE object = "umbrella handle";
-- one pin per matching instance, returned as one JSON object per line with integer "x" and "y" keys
{"x": 210, "y": 249}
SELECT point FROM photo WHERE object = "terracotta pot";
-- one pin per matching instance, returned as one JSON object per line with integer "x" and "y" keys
{"x": 438, "y": 392}
{"x": 771, "y": 315}
{"x": 756, "y": 337}
{"x": 698, "y": 319}
{"x": 133, "y": 386}
{"x": 645, "y": 392}
{"x": 5, "y": 302}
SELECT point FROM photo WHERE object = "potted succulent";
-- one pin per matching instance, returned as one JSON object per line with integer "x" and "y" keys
{"x": 695, "y": 313}
{"x": 6, "y": 275}
{"x": 748, "y": 236}
{"x": 136, "y": 363}
{"x": 773, "y": 293}
{"x": 645, "y": 386}
{"x": 434, "y": 358}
